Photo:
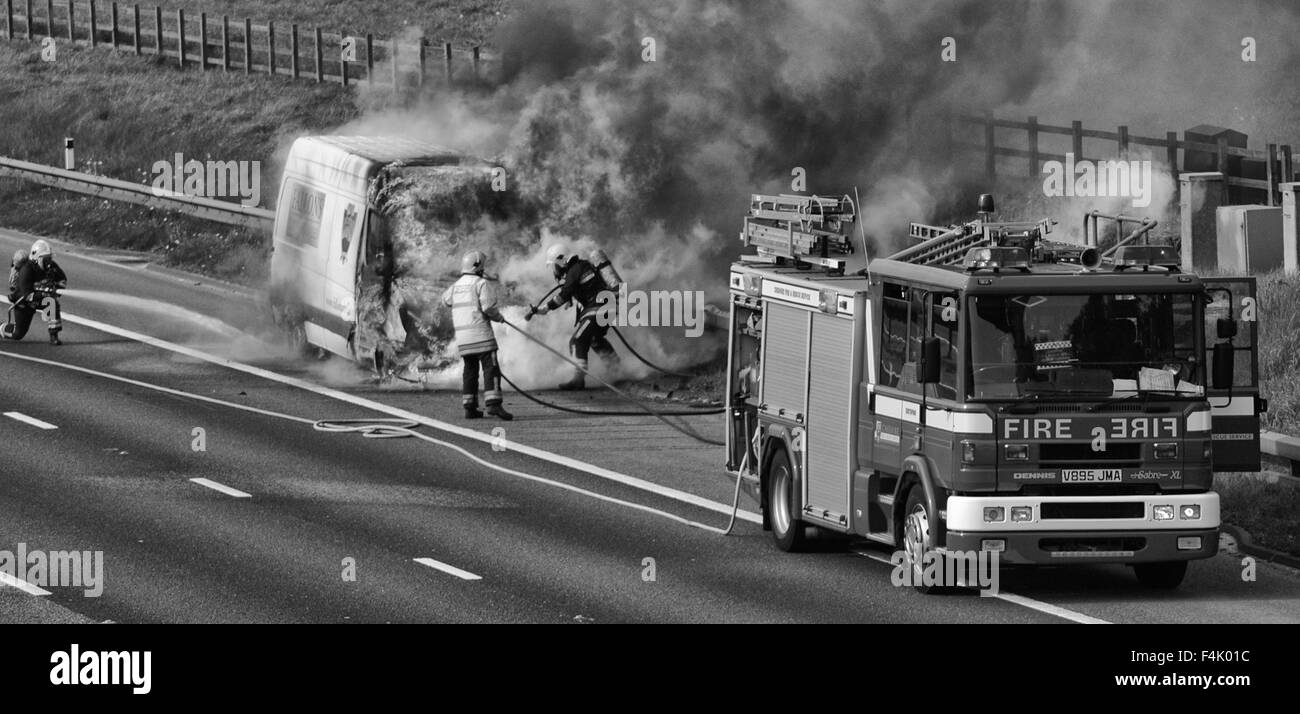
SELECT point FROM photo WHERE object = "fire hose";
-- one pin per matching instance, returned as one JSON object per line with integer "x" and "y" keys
{"x": 660, "y": 415}
{"x": 387, "y": 428}
{"x": 532, "y": 310}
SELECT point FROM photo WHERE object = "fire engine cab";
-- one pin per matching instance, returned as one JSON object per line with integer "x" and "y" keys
{"x": 987, "y": 389}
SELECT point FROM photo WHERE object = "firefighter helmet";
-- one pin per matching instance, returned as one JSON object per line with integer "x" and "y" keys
{"x": 40, "y": 249}
{"x": 472, "y": 263}
{"x": 558, "y": 257}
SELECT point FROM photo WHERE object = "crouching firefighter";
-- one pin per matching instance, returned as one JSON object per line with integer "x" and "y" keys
{"x": 34, "y": 282}
{"x": 583, "y": 283}
{"x": 473, "y": 305}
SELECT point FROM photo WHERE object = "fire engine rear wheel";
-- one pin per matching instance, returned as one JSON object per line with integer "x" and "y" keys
{"x": 787, "y": 529}
{"x": 918, "y": 536}
{"x": 1165, "y": 576}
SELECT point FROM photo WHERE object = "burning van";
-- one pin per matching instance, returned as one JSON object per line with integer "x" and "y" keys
{"x": 368, "y": 231}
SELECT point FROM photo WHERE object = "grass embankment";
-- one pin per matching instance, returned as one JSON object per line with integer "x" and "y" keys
{"x": 126, "y": 113}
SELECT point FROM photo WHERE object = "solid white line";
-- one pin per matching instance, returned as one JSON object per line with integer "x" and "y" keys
{"x": 1021, "y": 600}
{"x": 222, "y": 488}
{"x": 1050, "y": 609}
{"x": 11, "y": 581}
{"x": 449, "y": 569}
{"x": 19, "y": 416}
{"x": 534, "y": 452}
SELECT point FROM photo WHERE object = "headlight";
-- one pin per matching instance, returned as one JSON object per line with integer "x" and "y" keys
{"x": 1190, "y": 512}
{"x": 1022, "y": 514}
{"x": 994, "y": 514}
{"x": 1163, "y": 513}
{"x": 1016, "y": 452}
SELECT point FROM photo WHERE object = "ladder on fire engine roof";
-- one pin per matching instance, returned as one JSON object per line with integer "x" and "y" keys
{"x": 943, "y": 245}
{"x": 809, "y": 229}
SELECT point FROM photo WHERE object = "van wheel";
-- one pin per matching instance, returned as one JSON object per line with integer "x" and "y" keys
{"x": 787, "y": 529}
{"x": 1162, "y": 576}
{"x": 918, "y": 537}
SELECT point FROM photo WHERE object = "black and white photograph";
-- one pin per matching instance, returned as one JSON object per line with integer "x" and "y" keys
{"x": 975, "y": 314}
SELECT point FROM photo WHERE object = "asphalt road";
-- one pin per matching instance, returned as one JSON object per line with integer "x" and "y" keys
{"x": 283, "y": 509}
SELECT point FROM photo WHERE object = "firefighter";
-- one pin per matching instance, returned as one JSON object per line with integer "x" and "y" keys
{"x": 582, "y": 283}
{"x": 473, "y": 304}
{"x": 32, "y": 283}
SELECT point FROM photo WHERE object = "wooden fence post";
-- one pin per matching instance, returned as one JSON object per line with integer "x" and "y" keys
{"x": 1123, "y": 141}
{"x": 320, "y": 58}
{"x": 424, "y": 43}
{"x": 990, "y": 153}
{"x": 27, "y": 19}
{"x": 94, "y": 21}
{"x": 370, "y": 58}
{"x": 9, "y": 19}
{"x": 225, "y": 43}
{"x": 135, "y": 29}
{"x": 115, "y": 16}
{"x": 1032, "y": 140}
{"x": 1076, "y": 139}
{"x": 158, "y": 31}
{"x": 343, "y": 62}
{"x": 180, "y": 35}
{"x": 49, "y": 18}
{"x": 270, "y": 47}
{"x": 476, "y": 62}
{"x": 1288, "y": 168}
{"x": 1270, "y": 172}
{"x": 248, "y": 46}
{"x": 446, "y": 61}
{"x": 71, "y": 21}
{"x": 294, "y": 67}
{"x": 203, "y": 39}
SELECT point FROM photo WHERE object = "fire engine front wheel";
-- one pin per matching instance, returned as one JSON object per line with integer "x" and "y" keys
{"x": 917, "y": 537}
{"x": 787, "y": 530}
{"x": 1165, "y": 576}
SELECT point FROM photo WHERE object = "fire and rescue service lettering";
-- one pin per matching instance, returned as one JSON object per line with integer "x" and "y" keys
{"x": 1115, "y": 428}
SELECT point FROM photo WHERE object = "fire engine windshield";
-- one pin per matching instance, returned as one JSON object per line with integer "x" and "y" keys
{"x": 1104, "y": 345}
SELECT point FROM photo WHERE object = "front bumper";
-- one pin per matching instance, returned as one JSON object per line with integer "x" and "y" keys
{"x": 1087, "y": 529}
{"x": 1073, "y": 547}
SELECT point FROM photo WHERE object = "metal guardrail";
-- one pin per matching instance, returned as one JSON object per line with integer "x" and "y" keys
{"x": 1281, "y": 446}
{"x": 208, "y": 209}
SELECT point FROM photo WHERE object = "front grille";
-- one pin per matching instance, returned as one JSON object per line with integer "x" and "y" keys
{"x": 1081, "y": 455}
{"x": 1092, "y": 489}
{"x": 1099, "y": 546}
{"x": 1086, "y": 509}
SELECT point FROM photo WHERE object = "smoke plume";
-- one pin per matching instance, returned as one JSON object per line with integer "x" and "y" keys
{"x": 643, "y": 126}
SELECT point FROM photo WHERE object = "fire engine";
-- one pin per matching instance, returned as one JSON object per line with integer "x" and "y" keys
{"x": 987, "y": 389}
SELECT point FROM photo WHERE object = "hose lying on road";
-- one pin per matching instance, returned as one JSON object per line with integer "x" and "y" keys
{"x": 386, "y": 428}
{"x": 656, "y": 414}
{"x": 647, "y": 362}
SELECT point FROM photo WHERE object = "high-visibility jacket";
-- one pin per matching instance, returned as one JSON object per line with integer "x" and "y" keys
{"x": 472, "y": 300}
